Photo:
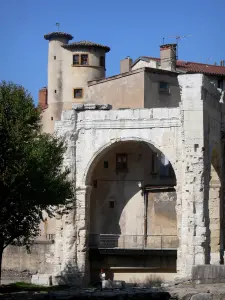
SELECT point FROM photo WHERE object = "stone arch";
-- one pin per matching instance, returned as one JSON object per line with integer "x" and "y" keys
{"x": 99, "y": 154}
{"x": 101, "y": 150}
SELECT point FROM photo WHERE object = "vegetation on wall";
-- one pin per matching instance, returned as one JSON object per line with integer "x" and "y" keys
{"x": 32, "y": 179}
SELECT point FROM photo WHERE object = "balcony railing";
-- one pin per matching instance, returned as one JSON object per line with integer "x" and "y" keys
{"x": 109, "y": 241}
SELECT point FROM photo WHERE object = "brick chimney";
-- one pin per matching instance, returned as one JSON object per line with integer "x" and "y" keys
{"x": 168, "y": 57}
{"x": 125, "y": 65}
{"x": 43, "y": 98}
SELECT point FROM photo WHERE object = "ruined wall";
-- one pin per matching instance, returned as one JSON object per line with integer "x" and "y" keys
{"x": 39, "y": 260}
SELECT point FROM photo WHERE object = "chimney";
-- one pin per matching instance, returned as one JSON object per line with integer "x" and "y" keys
{"x": 168, "y": 57}
{"x": 221, "y": 63}
{"x": 43, "y": 98}
{"x": 125, "y": 65}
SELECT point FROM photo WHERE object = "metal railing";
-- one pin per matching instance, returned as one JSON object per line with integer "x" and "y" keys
{"x": 108, "y": 241}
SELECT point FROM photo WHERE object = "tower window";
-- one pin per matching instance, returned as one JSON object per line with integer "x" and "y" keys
{"x": 76, "y": 59}
{"x": 106, "y": 164}
{"x": 54, "y": 57}
{"x": 102, "y": 61}
{"x": 84, "y": 59}
{"x": 121, "y": 162}
{"x": 78, "y": 93}
{"x": 52, "y": 118}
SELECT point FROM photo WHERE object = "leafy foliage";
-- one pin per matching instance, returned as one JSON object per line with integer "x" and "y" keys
{"x": 31, "y": 175}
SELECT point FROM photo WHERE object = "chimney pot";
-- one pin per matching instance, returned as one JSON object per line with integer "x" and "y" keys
{"x": 168, "y": 56}
{"x": 125, "y": 65}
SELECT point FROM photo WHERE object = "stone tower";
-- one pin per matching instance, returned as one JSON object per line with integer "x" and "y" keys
{"x": 70, "y": 67}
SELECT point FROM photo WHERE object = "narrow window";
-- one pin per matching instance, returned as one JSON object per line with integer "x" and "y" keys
{"x": 52, "y": 118}
{"x": 55, "y": 91}
{"x": 95, "y": 184}
{"x": 121, "y": 162}
{"x": 106, "y": 164}
{"x": 220, "y": 84}
{"x": 54, "y": 57}
{"x": 78, "y": 93}
{"x": 102, "y": 61}
{"x": 76, "y": 59}
{"x": 84, "y": 59}
{"x": 111, "y": 204}
{"x": 164, "y": 87}
{"x": 154, "y": 163}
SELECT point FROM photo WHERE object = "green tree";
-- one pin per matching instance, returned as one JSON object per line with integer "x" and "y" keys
{"x": 32, "y": 179}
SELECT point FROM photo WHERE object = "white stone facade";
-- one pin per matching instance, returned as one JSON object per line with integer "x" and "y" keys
{"x": 185, "y": 136}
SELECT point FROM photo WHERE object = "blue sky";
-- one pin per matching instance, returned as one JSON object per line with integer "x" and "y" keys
{"x": 131, "y": 28}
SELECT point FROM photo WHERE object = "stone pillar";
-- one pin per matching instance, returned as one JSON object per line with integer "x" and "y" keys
{"x": 82, "y": 217}
{"x": 214, "y": 224}
{"x": 192, "y": 248}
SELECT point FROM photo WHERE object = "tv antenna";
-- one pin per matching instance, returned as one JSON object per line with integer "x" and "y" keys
{"x": 178, "y": 38}
{"x": 57, "y": 25}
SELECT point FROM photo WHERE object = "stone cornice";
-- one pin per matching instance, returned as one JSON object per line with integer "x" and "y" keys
{"x": 126, "y": 124}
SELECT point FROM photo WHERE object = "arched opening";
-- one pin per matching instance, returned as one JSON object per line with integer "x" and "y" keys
{"x": 132, "y": 217}
{"x": 215, "y": 209}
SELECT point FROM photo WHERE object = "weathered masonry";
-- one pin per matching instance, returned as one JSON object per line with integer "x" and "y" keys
{"x": 145, "y": 148}
{"x": 189, "y": 136}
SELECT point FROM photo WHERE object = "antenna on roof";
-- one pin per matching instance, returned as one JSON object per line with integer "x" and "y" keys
{"x": 178, "y": 38}
{"x": 57, "y": 25}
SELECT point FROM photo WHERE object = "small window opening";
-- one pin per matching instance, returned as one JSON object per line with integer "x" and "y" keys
{"x": 84, "y": 59}
{"x": 164, "y": 87}
{"x": 121, "y": 162}
{"x": 51, "y": 118}
{"x": 106, "y": 164}
{"x": 111, "y": 204}
{"x": 196, "y": 147}
{"x": 76, "y": 59}
{"x": 154, "y": 163}
{"x": 78, "y": 93}
{"x": 102, "y": 61}
{"x": 95, "y": 183}
{"x": 55, "y": 91}
{"x": 220, "y": 84}
{"x": 54, "y": 57}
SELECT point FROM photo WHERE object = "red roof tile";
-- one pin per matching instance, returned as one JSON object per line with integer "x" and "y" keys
{"x": 193, "y": 67}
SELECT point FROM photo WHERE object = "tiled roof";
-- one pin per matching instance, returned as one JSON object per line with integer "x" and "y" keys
{"x": 58, "y": 34}
{"x": 85, "y": 44}
{"x": 193, "y": 67}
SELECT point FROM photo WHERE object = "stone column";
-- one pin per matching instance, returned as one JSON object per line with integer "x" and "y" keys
{"x": 82, "y": 217}
{"x": 214, "y": 224}
{"x": 192, "y": 249}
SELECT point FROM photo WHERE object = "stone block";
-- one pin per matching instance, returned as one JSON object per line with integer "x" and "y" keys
{"x": 42, "y": 279}
{"x": 78, "y": 106}
{"x": 104, "y": 106}
{"x": 208, "y": 273}
{"x": 90, "y": 106}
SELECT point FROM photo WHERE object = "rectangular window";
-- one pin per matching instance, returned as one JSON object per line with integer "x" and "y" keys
{"x": 76, "y": 59}
{"x": 220, "y": 84}
{"x": 164, "y": 87}
{"x": 121, "y": 162}
{"x": 106, "y": 164}
{"x": 154, "y": 163}
{"x": 102, "y": 61}
{"x": 84, "y": 59}
{"x": 111, "y": 204}
{"x": 78, "y": 93}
